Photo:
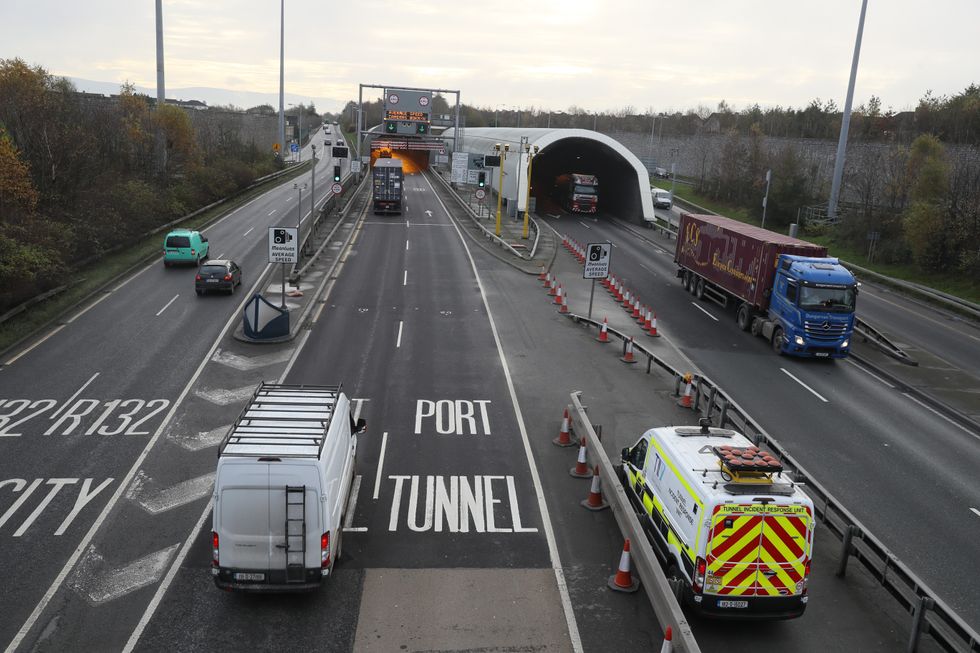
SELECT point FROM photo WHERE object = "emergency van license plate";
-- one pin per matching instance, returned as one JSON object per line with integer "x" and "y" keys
{"x": 733, "y": 604}
{"x": 244, "y": 576}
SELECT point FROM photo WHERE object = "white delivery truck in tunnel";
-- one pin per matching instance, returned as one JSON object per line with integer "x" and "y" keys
{"x": 283, "y": 483}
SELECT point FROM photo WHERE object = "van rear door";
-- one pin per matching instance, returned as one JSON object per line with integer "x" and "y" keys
{"x": 302, "y": 546}
{"x": 758, "y": 549}
{"x": 243, "y": 518}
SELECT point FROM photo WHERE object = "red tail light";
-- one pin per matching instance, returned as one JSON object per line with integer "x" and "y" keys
{"x": 806, "y": 577}
{"x": 227, "y": 277}
{"x": 325, "y": 550}
{"x": 700, "y": 568}
{"x": 193, "y": 251}
{"x": 214, "y": 548}
{"x": 197, "y": 277}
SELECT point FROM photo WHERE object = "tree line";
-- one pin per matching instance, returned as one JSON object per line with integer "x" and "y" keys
{"x": 81, "y": 174}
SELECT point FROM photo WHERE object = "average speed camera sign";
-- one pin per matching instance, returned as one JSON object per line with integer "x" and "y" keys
{"x": 597, "y": 260}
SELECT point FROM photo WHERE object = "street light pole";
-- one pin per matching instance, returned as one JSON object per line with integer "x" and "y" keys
{"x": 313, "y": 182}
{"x": 765, "y": 199}
{"x": 299, "y": 218}
{"x": 846, "y": 120}
{"x": 282, "y": 52}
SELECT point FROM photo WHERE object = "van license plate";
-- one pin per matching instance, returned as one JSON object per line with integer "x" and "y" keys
{"x": 244, "y": 576}
{"x": 733, "y": 604}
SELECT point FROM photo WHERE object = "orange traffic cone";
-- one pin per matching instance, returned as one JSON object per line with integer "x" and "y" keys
{"x": 553, "y": 287}
{"x": 564, "y": 438}
{"x": 581, "y": 469}
{"x": 685, "y": 400}
{"x": 652, "y": 330}
{"x": 543, "y": 276}
{"x": 604, "y": 331}
{"x": 594, "y": 501}
{"x": 668, "y": 646}
{"x": 636, "y": 307}
{"x": 558, "y": 294}
{"x": 546, "y": 282}
{"x": 627, "y": 297}
{"x": 618, "y": 290}
{"x": 622, "y": 580}
{"x": 563, "y": 307}
{"x": 628, "y": 355}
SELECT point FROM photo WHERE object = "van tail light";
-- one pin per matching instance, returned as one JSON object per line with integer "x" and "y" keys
{"x": 227, "y": 277}
{"x": 193, "y": 251}
{"x": 214, "y": 548}
{"x": 197, "y": 277}
{"x": 700, "y": 568}
{"x": 325, "y": 550}
{"x": 806, "y": 577}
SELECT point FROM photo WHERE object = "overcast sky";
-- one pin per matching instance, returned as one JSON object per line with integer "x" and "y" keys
{"x": 601, "y": 55}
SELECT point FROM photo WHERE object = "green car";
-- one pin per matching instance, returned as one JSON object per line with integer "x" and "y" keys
{"x": 185, "y": 246}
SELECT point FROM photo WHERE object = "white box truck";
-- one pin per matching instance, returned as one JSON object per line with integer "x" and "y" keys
{"x": 282, "y": 487}
{"x": 724, "y": 518}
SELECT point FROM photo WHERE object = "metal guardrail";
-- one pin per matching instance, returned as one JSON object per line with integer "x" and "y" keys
{"x": 652, "y": 577}
{"x": 929, "y": 614}
{"x": 310, "y": 232}
{"x": 881, "y": 341}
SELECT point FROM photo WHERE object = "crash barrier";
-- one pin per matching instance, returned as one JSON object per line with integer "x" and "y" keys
{"x": 930, "y": 615}
{"x": 312, "y": 232}
{"x": 641, "y": 556}
{"x": 881, "y": 342}
{"x": 490, "y": 235}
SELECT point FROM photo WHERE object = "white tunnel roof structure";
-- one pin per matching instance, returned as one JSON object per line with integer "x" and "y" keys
{"x": 628, "y": 173}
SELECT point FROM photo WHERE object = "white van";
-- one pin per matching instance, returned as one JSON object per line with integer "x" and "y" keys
{"x": 283, "y": 483}
{"x": 725, "y": 518}
{"x": 661, "y": 198}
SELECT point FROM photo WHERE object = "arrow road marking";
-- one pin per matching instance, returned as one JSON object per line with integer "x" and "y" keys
{"x": 225, "y": 397}
{"x": 98, "y": 584}
{"x": 154, "y": 501}
{"x": 202, "y": 440}
{"x": 247, "y": 363}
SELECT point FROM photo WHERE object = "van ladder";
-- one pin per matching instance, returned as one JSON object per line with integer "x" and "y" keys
{"x": 295, "y": 533}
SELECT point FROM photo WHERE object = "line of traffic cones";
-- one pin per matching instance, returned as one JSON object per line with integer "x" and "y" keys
{"x": 564, "y": 438}
{"x": 628, "y": 356}
{"x": 603, "y": 336}
{"x": 581, "y": 469}
{"x": 594, "y": 501}
{"x": 686, "y": 400}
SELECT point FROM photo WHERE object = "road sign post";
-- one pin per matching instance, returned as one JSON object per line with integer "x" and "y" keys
{"x": 596, "y": 266}
{"x": 283, "y": 248}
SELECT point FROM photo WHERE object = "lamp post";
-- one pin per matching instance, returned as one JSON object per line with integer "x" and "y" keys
{"x": 313, "y": 181}
{"x": 673, "y": 174}
{"x": 595, "y": 121}
{"x": 527, "y": 204}
{"x": 502, "y": 151}
{"x": 299, "y": 217}
{"x": 282, "y": 49}
{"x": 299, "y": 138}
{"x": 765, "y": 199}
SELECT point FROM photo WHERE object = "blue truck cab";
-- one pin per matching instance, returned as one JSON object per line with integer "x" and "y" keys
{"x": 812, "y": 307}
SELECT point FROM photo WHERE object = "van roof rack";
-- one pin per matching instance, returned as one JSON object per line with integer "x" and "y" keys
{"x": 285, "y": 421}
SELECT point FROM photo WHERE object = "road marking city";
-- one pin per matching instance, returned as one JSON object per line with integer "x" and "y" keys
{"x": 704, "y": 311}
{"x": 815, "y": 393}
{"x": 584, "y": 225}
{"x": 975, "y": 511}
{"x": 381, "y": 464}
{"x": 553, "y": 554}
{"x": 933, "y": 410}
{"x": 72, "y": 398}
{"x": 351, "y": 505}
{"x": 250, "y": 229}
{"x": 168, "y": 304}
{"x": 398, "y": 343}
{"x": 870, "y": 373}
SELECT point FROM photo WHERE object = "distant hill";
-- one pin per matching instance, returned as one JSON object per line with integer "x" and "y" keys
{"x": 211, "y": 96}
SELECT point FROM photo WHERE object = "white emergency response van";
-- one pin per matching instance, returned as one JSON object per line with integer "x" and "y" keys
{"x": 283, "y": 483}
{"x": 725, "y": 518}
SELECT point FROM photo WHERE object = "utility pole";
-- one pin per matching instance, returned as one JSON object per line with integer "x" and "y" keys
{"x": 282, "y": 52}
{"x": 161, "y": 143}
{"x": 846, "y": 120}
{"x": 313, "y": 185}
{"x": 765, "y": 199}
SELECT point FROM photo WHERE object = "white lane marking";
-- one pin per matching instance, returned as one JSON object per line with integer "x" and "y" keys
{"x": 248, "y": 232}
{"x": 921, "y": 316}
{"x": 406, "y": 245}
{"x": 398, "y": 343}
{"x": 405, "y": 278}
{"x": 975, "y": 511}
{"x": 704, "y": 311}
{"x": 167, "y": 305}
{"x": 220, "y": 256}
{"x": 88, "y": 308}
{"x": 99, "y": 582}
{"x": 202, "y": 439}
{"x": 123, "y": 484}
{"x": 246, "y": 363}
{"x": 358, "y": 404}
{"x": 351, "y": 505}
{"x": 933, "y": 410}
{"x": 573, "y": 633}
{"x": 273, "y": 211}
{"x": 154, "y": 500}
{"x": 289, "y": 198}
{"x": 72, "y": 398}
{"x": 815, "y": 393}
{"x": 10, "y": 361}
{"x": 870, "y": 373}
{"x": 647, "y": 269}
{"x": 381, "y": 464}
{"x": 584, "y": 225}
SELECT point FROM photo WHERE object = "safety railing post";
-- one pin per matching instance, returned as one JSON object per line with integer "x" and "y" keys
{"x": 711, "y": 402}
{"x": 918, "y": 621}
{"x": 723, "y": 415}
{"x": 845, "y": 550}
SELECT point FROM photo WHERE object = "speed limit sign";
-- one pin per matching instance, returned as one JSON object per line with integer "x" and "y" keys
{"x": 480, "y": 194}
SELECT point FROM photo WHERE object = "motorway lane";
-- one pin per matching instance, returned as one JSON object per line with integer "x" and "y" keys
{"x": 447, "y": 547}
{"x": 120, "y": 364}
{"x": 844, "y": 441}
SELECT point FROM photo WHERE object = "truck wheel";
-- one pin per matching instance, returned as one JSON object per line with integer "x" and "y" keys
{"x": 744, "y": 317}
{"x": 699, "y": 288}
{"x": 777, "y": 341}
{"x": 690, "y": 282}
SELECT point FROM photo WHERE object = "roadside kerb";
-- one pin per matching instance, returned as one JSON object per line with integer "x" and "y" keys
{"x": 930, "y": 615}
{"x": 652, "y": 577}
